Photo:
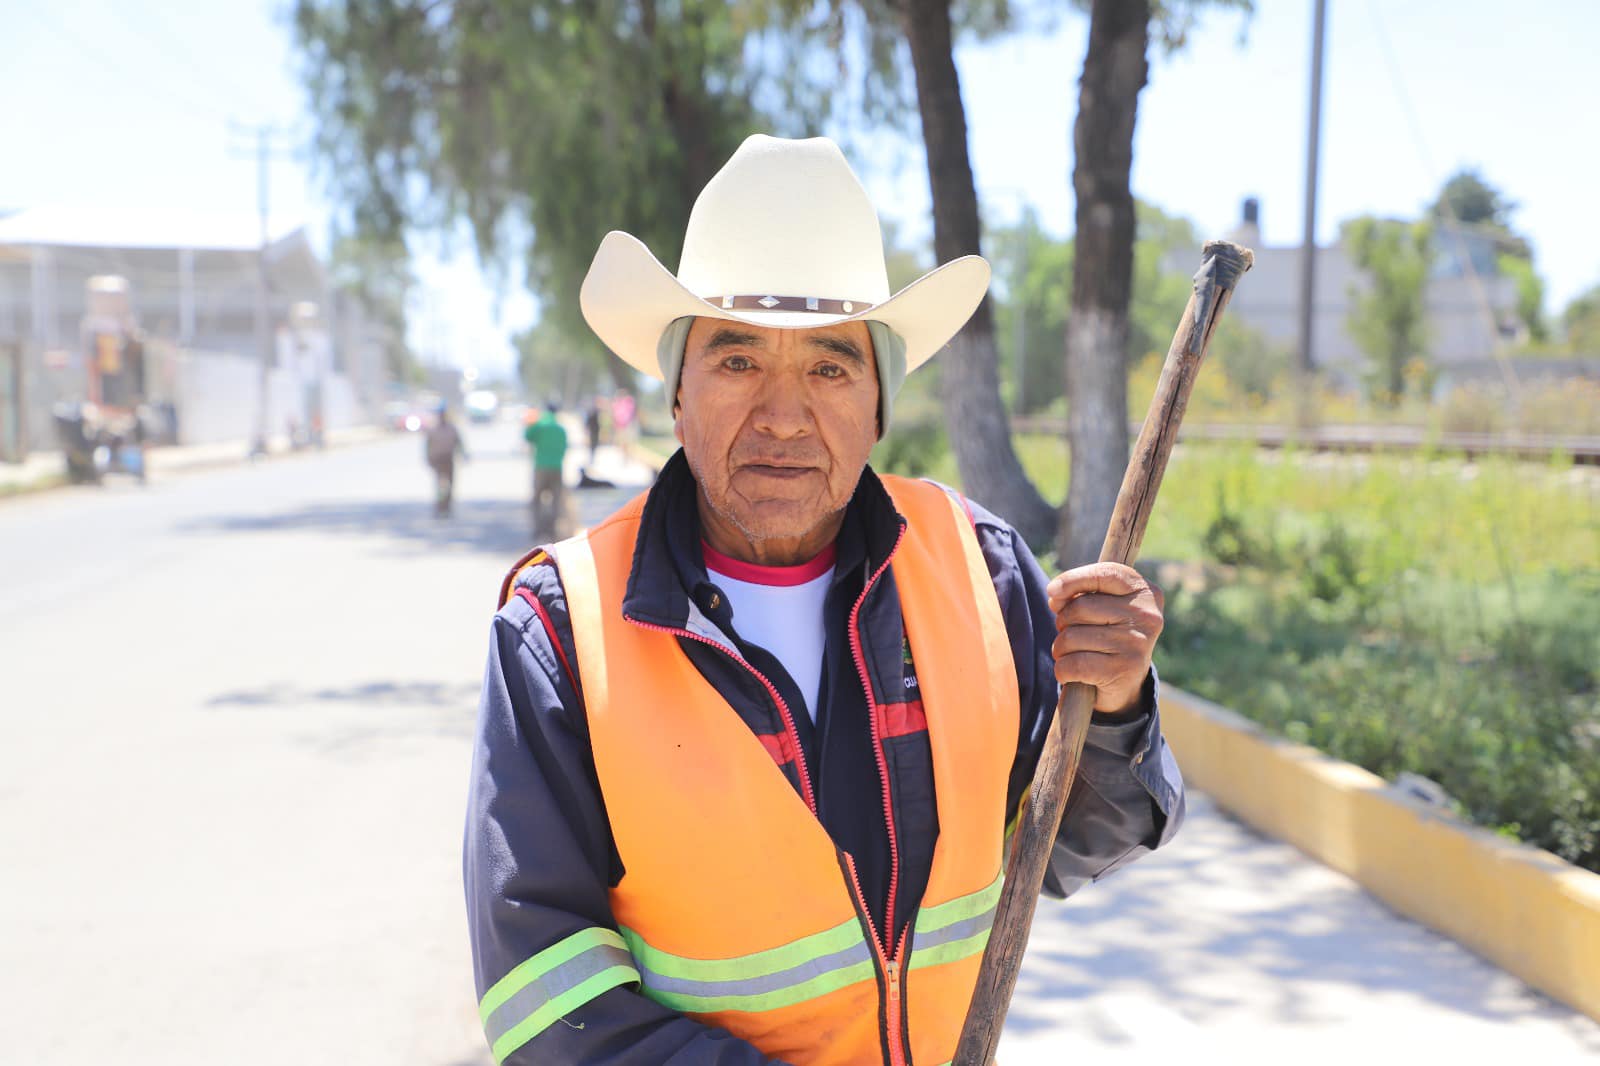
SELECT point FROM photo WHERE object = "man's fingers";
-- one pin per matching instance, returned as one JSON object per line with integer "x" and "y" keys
{"x": 1095, "y": 609}
{"x": 1093, "y": 668}
{"x": 1106, "y": 640}
{"x": 1112, "y": 578}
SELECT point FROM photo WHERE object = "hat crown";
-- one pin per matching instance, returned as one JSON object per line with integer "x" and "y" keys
{"x": 785, "y": 218}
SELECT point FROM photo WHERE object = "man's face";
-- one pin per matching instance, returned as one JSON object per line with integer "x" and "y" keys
{"x": 777, "y": 425}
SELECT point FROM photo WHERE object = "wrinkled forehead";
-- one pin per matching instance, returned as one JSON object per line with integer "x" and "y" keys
{"x": 850, "y": 341}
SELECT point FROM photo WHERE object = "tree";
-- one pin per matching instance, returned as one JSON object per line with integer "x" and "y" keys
{"x": 1035, "y": 269}
{"x": 980, "y": 431}
{"x": 375, "y": 272}
{"x": 541, "y": 124}
{"x": 974, "y": 413}
{"x": 1581, "y": 321}
{"x": 1530, "y": 295}
{"x": 550, "y": 364}
{"x": 1114, "y": 71}
{"x": 1468, "y": 200}
{"x": 1388, "y": 320}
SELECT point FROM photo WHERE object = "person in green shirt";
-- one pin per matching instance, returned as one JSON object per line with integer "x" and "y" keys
{"x": 549, "y": 442}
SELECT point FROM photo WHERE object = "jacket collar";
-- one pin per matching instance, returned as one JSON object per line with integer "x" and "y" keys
{"x": 669, "y": 572}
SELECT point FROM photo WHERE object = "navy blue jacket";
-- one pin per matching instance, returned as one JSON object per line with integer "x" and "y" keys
{"x": 539, "y": 856}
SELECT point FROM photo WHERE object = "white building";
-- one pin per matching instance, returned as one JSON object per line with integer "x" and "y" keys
{"x": 1471, "y": 306}
{"x": 192, "y": 284}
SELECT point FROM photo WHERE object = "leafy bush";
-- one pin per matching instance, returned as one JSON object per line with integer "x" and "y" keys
{"x": 912, "y": 449}
{"x": 1488, "y": 684}
{"x": 1473, "y": 408}
{"x": 1253, "y": 365}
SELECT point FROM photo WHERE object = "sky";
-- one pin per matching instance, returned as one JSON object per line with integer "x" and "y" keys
{"x": 140, "y": 107}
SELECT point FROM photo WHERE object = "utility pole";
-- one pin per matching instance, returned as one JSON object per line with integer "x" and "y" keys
{"x": 1305, "y": 363}
{"x": 265, "y": 150}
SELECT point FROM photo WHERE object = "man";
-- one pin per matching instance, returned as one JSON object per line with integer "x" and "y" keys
{"x": 548, "y": 440}
{"x": 748, "y": 749}
{"x": 440, "y": 448}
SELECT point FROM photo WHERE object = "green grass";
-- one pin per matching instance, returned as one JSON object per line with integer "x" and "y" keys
{"x": 1434, "y": 514}
{"x": 1413, "y": 614}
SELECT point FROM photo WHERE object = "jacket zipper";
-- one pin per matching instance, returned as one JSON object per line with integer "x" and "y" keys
{"x": 890, "y": 968}
{"x": 890, "y": 962}
{"x": 783, "y": 708}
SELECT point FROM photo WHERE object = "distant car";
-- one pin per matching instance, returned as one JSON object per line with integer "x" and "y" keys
{"x": 481, "y": 405}
{"x": 395, "y": 413}
{"x": 403, "y": 416}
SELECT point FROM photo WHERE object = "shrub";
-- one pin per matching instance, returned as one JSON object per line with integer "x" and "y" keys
{"x": 1488, "y": 684}
{"x": 912, "y": 449}
{"x": 1473, "y": 408}
{"x": 1569, "y": 407}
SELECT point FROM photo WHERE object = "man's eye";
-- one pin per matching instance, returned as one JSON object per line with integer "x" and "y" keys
{"x": 737, "y": 362}
{"x": 831, "y": 370}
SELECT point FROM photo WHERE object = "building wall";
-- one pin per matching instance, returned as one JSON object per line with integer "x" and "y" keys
{"x": 217, "y": 397}
{"x": 202, "y": 353}
{"x": 1464, "y": 313}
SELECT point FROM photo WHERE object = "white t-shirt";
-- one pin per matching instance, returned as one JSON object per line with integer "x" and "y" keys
{"x": 780, "y": 609}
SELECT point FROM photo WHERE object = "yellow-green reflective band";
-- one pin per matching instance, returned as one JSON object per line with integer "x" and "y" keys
{"x": 931, "y": 919}
{"x": 952, "y": 951}
{"x": 765, "y": 980}
{"x": 553, "y": 983}
{"x": 955, "y": 930}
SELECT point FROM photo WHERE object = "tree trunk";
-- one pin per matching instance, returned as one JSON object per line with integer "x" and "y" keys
{"x": 980, "y": 432}
{"x": 1114, "y": 71}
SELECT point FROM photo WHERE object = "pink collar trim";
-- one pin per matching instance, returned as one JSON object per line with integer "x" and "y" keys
{"x": 755, "y": 574}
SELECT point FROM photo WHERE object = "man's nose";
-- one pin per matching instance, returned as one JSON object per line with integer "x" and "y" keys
{"x": 782, "y": 409}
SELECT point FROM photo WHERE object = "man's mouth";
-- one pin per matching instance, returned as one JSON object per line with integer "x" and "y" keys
{"x": 778, "y": 470}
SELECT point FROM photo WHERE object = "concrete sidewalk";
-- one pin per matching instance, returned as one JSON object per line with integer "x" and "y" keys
{"x": 1228, "y": 947}
{"x": 48, "y": 469}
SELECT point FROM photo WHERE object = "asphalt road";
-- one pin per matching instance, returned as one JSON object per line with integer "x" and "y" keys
{"x": 235, "y": 712}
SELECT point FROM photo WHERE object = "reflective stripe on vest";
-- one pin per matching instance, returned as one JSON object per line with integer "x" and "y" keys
{"x": 559, "y": 979}
{"x": 956, "y": 930}
{"x": 735, "y": 904}
{"x": 764, "y": 980}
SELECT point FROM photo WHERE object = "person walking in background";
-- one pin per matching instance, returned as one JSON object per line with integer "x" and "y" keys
{"x": 549, "y": 442}
{"x": 442, "y": 445}
{"x": 591, "y": 426}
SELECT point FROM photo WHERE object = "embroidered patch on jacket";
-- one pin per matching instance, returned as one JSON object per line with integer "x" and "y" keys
{"x": 909, "y": 677}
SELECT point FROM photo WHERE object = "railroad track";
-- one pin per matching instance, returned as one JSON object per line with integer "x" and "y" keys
{"x": 1365, "y": 438}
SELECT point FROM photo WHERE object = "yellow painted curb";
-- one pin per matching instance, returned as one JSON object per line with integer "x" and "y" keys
{"x": 1524, "y": 909}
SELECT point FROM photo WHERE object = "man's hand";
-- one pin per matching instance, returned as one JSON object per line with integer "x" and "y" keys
{"x": 1107, "y": 621}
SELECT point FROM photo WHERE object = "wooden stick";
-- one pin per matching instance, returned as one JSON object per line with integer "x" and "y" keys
{"x": 1221, "y": 266}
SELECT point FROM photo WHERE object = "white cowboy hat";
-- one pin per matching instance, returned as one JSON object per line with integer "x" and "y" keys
{"x": 783, "y": 235}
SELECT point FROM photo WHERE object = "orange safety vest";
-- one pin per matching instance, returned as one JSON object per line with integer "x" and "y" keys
{"x": 737, "y": 907}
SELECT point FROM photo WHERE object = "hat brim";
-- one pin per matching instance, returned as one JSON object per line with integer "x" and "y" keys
{"x": 629, "y": 298}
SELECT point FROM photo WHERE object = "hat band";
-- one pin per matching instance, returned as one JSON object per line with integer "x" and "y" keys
{"x": 815, "y": 304}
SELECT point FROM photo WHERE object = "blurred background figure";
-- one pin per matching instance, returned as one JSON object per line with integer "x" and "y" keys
{"x": 591, "y": 427}
{"x": 548, "y": 440}
{"x": 441, "y": 447}
{"x": 623, "y": 412}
